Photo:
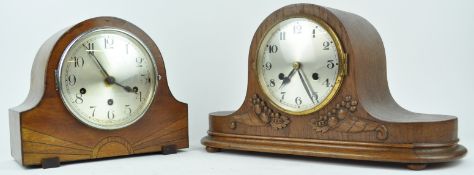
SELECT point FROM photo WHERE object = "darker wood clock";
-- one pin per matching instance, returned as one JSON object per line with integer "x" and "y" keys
{"x": 317, "y": 86}
{"x": 98, "y": 89}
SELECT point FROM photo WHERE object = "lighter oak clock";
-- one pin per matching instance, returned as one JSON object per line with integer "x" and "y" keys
{"x": 317, "y": 87}
{"x": 98, "y": 90}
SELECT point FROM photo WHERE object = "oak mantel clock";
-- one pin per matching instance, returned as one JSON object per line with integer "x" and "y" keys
{"x": 317, "y": 86}
{"x": 98, "y": 90}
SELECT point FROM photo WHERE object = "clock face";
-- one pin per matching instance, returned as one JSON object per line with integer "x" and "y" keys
{"x": 298, "y": 65}
{"x": 107, "y": 78}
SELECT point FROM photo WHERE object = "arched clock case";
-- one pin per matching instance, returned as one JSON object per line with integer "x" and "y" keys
{"x": 55, "y": 125}
{"x": 361, "y": 120}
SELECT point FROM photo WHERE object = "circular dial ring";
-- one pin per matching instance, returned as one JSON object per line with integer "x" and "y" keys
{"x": 296, "y": 74}
{"x": 115, "y": 63}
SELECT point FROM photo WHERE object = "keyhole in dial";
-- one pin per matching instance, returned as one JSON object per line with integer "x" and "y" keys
{"x": 315, "y": 76}
{"x": 110, "y": 102}
{"x": 281, "y": 76}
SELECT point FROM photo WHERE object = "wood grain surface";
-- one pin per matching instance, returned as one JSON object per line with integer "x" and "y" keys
{"x": 42, "y": 128}
{"x": 362, "y": 121}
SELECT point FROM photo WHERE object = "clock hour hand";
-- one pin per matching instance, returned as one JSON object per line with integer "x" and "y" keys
{"x": 111, "y": 80}
{"x": 102, "y": 69}
{"x": 287, "y": 79}
{"x": 306, "y": 85}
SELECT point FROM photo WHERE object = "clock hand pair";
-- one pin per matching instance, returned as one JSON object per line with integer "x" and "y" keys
{"x": 109, "y": 79}
{"x": 287, "y": 79}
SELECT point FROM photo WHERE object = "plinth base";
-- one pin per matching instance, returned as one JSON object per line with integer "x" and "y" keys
{"x": 415, "y": 157}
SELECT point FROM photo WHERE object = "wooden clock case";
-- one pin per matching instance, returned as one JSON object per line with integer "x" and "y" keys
{"x": 43, "y": 132}
{"x": 362, "y": 122}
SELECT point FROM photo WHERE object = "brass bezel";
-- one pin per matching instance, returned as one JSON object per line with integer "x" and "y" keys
{"x": 342, "y": 70}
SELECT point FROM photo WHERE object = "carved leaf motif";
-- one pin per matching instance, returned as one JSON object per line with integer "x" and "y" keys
{"x": 262, "y": 115}
{"x": 278, "y": 121}
{"x": 343, "y": 119}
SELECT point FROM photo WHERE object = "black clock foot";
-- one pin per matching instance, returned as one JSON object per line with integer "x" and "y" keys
{"x": 52, "y": 162}
{"x": 169, "y": 149}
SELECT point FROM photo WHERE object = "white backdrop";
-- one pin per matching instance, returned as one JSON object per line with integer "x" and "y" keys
{"x": 205, "y": 47}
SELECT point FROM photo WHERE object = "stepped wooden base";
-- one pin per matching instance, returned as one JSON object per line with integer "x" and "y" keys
{"x": 416, "y": 158}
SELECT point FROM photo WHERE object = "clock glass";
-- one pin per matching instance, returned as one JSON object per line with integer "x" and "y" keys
{"x": 299, "y": 65}
{"x": 107, "y": 78}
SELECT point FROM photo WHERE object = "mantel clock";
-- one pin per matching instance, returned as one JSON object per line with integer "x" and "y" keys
{"x": 317, "y": 86}
{"x": 98, "y": 89}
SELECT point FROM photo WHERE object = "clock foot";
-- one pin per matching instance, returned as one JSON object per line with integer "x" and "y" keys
{"x": 52, "y": 162}
{"x": 169, "y": 149}
{"x": 212, "y": 149}
{"x": 417, "y": 166}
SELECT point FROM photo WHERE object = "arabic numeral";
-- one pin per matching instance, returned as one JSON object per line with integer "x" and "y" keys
{"x": 330, "y": 64}
{"x": 90, "y": 48}
{"x": 282, "y": 96}
{"x": 128, "y": 109}
{"x": 71, "y": 80}
{"x": 298, "y": 101}
{"x": 272, "y": 48}
{"x": 126, "y": 48}
{"x": 145, "y": 78}
{"x": 272, "y": 83}
{"x": 326, "y": 45}
{"x": 139, "y": 96}
{"x": 282, "y": 35}
{"x": 267, "y": 65}
{"x": 78, "y": 61}
{"x": 93, "y": 110}
{"x": 139, "y": 61}
{"x": 108, "y": 42}
{"x": 78, "y": 99}
{"x": 110, "y": 114}
{"x": 315, "y": 97}
{"x": 326, "y": 82}
{"x": 297, "y": 28}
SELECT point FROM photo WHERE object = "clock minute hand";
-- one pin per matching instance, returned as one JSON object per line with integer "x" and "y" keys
{"x": 102, "y": 69}
{"x": 306, "y": 85}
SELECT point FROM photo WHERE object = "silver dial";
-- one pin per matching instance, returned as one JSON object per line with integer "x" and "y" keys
{"x": 299, "y": 65}
{"x": 107, "y": 78}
